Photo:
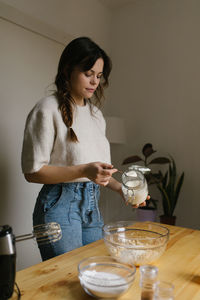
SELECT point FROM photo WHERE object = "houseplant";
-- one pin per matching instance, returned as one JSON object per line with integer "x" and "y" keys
{"x": 151, "y": 177}
{"x": 170, "y": 187}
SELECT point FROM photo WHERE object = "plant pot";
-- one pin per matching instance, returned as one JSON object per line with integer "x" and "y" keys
{"x": 170, "y": 220}
{"x": 146, "y": 214}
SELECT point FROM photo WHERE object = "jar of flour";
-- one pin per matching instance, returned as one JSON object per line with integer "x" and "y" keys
{"x": 134, "y": 185}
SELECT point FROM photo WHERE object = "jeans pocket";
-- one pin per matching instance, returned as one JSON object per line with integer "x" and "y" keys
{"x": 52, "y": 197}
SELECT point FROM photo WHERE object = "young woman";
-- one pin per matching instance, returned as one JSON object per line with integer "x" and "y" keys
{"x": 65, "y": 148}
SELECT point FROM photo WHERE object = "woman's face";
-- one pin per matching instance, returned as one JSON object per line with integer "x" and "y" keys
{"x": 84, "y": 84}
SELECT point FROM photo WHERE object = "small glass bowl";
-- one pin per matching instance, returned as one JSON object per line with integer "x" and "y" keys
{"x": 137, "y": 243}
{"x": 103, "y": 277}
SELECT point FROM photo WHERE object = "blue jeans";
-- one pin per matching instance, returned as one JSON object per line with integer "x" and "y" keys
{"x": 75, "y": 207}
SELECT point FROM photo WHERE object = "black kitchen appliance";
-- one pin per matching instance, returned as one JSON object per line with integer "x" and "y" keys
{"x": 44, "y": 233}
{"x": 7, "y": 262}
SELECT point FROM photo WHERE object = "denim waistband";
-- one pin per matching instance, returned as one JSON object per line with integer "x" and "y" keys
{"x": 77, "y": 185}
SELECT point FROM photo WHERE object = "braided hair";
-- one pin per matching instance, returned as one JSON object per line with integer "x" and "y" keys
{"x": 81, "y": 52}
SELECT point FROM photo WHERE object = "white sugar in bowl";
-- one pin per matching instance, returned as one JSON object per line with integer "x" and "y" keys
{"x": 103, "y": 277}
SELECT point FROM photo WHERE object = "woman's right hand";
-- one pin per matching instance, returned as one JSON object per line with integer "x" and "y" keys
{"x": 98, "y": 172}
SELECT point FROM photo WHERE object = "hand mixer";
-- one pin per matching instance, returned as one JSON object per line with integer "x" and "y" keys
{"x": 44, "y": 234}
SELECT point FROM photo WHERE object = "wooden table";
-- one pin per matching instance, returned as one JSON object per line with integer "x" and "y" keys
{"x": 56, "y": 279}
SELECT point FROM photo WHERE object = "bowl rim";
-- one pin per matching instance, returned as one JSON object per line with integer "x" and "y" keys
{"x": 129, "y": 278}
{"x": 122, "y": 224}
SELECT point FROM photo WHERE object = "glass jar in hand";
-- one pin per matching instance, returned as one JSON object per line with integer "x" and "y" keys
{"x": 134, "y": 185}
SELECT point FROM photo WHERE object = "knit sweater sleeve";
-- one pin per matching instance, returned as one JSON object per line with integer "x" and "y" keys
{"x": 38, "y": 139}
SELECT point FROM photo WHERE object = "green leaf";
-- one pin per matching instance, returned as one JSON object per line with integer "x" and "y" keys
{"x": 153, "y": 178}
{"x": 178, "y": 188}
{"x": 165, "y": 200}
{"x": 160, "y": 160}
{"x": 164, "y": 181}
{"x": 132, "y": 159}
{"x": 172, "y": 182}
{"x": 148, "y": 150}
{"x": 170, "y": 189}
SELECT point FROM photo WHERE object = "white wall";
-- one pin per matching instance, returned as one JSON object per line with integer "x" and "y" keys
{"x": 75, "y": 17}
{"x": 26, "y": 70}
{"x": 28, "y": 65}
{"x": 155, "y": 87}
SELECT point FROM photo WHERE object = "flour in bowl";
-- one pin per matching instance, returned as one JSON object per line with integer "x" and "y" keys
{"x": 103, "y": 284}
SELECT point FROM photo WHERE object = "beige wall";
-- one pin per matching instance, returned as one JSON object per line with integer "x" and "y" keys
{"x": 26, "y": 70}
{"x": 74, "y": 17}
{"x": 155, "y": 87}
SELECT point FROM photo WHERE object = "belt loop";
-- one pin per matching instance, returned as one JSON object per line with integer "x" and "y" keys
{"x": 76, "y": 186}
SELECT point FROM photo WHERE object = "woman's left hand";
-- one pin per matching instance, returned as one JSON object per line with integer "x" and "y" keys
{"x": 134, "y": 205}
{"x": 141, "y": 204}
{"x": 117, "y": 187}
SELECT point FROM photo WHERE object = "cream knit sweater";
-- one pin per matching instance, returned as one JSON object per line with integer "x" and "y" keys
{"x": 45, "y": 137}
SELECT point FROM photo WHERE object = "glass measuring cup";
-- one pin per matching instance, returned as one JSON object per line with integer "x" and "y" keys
{"x": 134, "y": 185}
{"x": 164, "y": 291}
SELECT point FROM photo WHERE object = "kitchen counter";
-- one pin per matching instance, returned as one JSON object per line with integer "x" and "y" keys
{"x": 56, "y": 279}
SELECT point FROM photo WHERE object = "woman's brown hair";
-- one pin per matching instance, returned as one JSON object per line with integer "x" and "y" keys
{"x": 82, "y": 53}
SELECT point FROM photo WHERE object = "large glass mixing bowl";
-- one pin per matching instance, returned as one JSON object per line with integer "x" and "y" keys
{"x": 135, "y": 243}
